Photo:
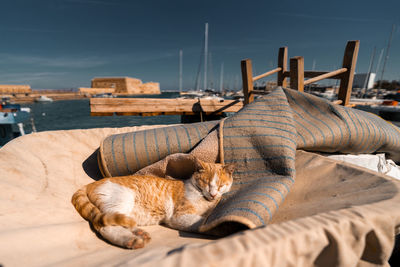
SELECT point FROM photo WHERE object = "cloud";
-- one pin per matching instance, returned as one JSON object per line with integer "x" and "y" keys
{"x": 28, "y": 77}
{"x": 349, "y": 19}
{"x": 92, "y": 2}
{"x": 61, "y": 62}
{"x": 136, "y": 58}
{"x": 149, "y": 57}
{"x": 86, "y": 62}
{"x": 34, "y": 30}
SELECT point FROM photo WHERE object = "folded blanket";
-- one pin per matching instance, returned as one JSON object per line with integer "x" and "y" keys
{"x": 261, "y": 140}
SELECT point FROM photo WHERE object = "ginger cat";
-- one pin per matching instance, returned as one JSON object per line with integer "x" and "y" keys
{"x": 116, "y": 206}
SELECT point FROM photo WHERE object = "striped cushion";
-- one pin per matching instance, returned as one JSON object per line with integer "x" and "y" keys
{"x": 323, "y": 126}
{"x": 124, "y": 154}
{"x": 261, "y": 140}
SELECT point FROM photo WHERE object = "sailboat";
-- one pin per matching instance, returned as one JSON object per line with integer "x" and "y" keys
{"x": 206, "y": 93}
{"x": 386, "y": 104}
{"x": 190, "y": 93}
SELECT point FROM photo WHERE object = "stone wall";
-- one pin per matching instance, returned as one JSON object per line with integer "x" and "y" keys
{"x": 127, "y": 85}
{"x": 95, "y": 91}
{"x": 15, "y": 89}
{"x": 150, "y": 88}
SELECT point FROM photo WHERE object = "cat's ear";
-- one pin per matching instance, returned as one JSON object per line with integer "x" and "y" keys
{"x": 199, "y": 165}
{"x": 230, "y": 168}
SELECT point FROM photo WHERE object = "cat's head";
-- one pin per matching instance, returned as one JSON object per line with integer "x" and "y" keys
{"x": 212, "y": 179}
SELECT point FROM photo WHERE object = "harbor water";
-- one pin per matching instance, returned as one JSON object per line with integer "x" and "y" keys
{"x": 75, "y": 114}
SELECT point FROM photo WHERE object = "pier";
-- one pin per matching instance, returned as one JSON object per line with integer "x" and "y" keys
{"x": 161, "y": 106}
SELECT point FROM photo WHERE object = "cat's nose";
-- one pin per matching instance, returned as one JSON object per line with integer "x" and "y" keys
{"x": 213, "y": 195}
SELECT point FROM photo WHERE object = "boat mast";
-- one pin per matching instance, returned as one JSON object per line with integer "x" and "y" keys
{"x": 210, "y": 72}
{"x": 386, "y": 58}
{"x": 366, "y": 81}
{"x": 221, "y": 78}
{"x": 313, "y": 64}
{"x": 180, "y": 70}
{"x": 205, "y": 55}
{"x": 236, "y": 82}
{"x": 379, "y": 61}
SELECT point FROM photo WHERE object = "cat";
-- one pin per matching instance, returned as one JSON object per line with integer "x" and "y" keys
{"x": 116, "y": 206}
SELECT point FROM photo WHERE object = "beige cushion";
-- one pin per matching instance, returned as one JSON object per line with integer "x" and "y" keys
{"x": 335, "y": 214}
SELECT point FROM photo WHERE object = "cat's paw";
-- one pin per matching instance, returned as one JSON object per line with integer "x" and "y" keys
{"x": 139, "y": 239}
{"x": 124, "y": 237}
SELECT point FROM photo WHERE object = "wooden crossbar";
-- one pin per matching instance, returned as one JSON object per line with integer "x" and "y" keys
{"x": 268, "y": 73}
{"x": 325, "y": 76}
{"x": 314, "y": 73}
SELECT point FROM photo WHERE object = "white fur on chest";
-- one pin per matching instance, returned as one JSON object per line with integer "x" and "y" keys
{"x": 193, "y": 194}
{"x": 196, "y": 198}
{"x": 116, "y": 198}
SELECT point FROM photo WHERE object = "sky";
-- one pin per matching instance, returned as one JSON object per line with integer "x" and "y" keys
{"x": 56, "y": 44}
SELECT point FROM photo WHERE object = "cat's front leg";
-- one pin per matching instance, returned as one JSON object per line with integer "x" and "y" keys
{"x": 186, "y": 222}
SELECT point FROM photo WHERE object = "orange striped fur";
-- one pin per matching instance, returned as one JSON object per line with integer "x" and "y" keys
{"x": 116, "y": 206}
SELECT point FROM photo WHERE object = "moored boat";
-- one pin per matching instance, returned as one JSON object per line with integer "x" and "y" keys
{"x": 43, "y": 98}
{"x": 12, "y": 119}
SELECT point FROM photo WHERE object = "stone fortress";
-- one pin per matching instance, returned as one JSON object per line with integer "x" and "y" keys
{"x": 121, "y": 86}
{"x": 6, "y": 89}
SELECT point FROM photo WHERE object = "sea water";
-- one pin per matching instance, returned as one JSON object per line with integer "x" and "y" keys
{"x": 75, "y": 114}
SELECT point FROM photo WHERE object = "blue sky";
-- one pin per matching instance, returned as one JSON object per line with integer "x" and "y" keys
{"x": 52, "y": 44}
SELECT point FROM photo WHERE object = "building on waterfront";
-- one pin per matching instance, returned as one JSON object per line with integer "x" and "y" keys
{"x": 6, "y": 89}
{"x": 121, "y": 85}
{"x": 363, "y": 79}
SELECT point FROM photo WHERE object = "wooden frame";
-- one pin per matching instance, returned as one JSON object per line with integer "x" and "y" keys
{"x": 248, "y": 79}
{"x": 297, "y": 73}
{"x": 344, "y": 74}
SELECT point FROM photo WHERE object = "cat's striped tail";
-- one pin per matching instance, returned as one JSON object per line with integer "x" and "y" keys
{"x": 91, "y": 213}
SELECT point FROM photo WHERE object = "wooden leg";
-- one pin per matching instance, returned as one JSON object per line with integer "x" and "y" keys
{"x": 247, "y": 78}
{"x": 282, "y": 63}
{"x": 349, "y": 62}
{"x": 297, "y": 73}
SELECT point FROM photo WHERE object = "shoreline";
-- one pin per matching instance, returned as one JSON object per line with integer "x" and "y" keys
{"x": 56, "y": 96}
{"x": 30, "y": 98}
